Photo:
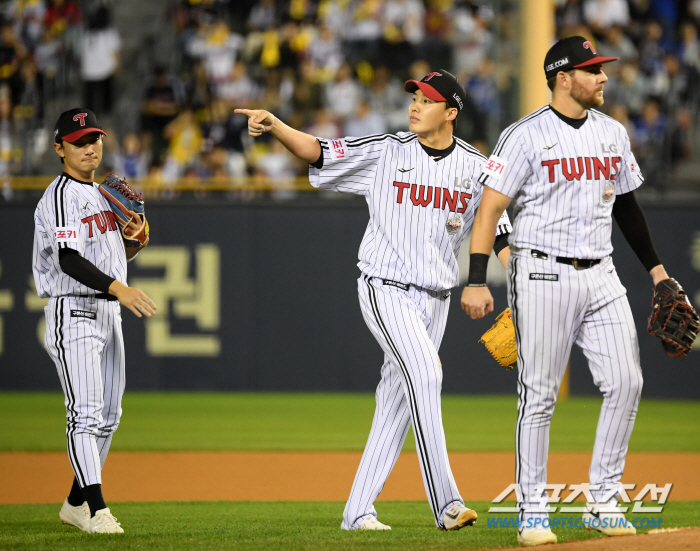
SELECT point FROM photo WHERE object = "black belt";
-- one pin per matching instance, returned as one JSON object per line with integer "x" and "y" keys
{"x": 404, "y": 286}
{"x": 102, "y": 296}
{"x": 577, "y": 263}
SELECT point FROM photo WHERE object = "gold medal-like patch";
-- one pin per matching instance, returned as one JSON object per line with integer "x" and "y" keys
{"x": 609, "y": 192}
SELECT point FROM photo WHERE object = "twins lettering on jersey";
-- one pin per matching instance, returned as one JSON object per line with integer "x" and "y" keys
{"x": 104, "y": 220}
{"x": 440, "y": 197}
{"x": 574, "y": 169}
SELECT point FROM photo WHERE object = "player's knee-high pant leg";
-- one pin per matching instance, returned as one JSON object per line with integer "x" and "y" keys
{"x": 608, "y": 338}
{"x": 389, "y": 428}
{"x": 546, "y": 312}
{"x": 78, "y": 331}
{"x": 112, "y": 370}
{"x": 408, "y": 326}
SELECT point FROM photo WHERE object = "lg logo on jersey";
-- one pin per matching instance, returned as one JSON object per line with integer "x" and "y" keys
{"x": 422, "y": 196}
{"x": 612, "y": 148}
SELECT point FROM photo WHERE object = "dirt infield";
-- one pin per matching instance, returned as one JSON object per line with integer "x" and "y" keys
{"x": 308, "y": 476}
{"x": 680, "y": 539}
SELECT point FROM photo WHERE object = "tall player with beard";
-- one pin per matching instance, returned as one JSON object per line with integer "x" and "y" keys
{"x": 569, "y": 168}
{"x": 422, "y": 194}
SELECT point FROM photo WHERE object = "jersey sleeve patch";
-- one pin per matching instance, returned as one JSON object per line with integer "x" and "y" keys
{"x": 338, "y": 149}
{"x": 495, "y": 166}
{"x": 504, "y": 226}
{"x": 635, "y": 171}
{"x": 66, "y": 235}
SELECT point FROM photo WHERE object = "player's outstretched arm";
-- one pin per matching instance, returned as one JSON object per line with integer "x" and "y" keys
{"x": 303, "y": 145}
{"x": 476, "y": 297}
{"x": 134, "y": 299}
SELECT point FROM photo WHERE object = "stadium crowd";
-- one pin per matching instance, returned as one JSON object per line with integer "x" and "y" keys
{"x": 330, "y": 67}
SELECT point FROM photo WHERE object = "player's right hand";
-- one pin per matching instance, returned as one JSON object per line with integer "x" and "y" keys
{"x": 259, "y": 120}
{"x": 477, "y": 302}
{"x": 133, "y": 298}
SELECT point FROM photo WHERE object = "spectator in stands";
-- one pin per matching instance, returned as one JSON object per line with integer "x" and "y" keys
{"x": 218, "y": 48}
{"x": 239, "y": 87}
{"x": 163, "y": 97}
{"x": 326, "y": 51}
{"x": 365, "y": 122}
{"x": 617, "y": 44}
{"x": 100, "y": 62}
{"x": 471, "y": 38}
{"x": 186, "y": 142}
{"x": 324, "y": 125}
{"x": 630, "y": 89}
{"x": 690, "y": 45}
{"x": 8, "y": 151}
{"x": 387, "y": 98}
{"x": 129, "y": 160}
{"x": 224, "y": 132}
{"x": 48, "y": 56}
{"x": 280, "y": 167}
{"x": 600, "y": 14}
{"x": 365, "y": 31}
{"x": 28, "y": 17}
{"x": 682, "y": 135}
{"x": 263, "y": 16}
{"x": 12, "y": 52}
{"x": 650, "y": 140}
{"x": 342, "y": 95}
{"x": 404, "y": 31}
{"x": 651, "y": 51}
{"x": 619, "y": 112}
{"x": 62, "y": 15}
{"x": 308, "y": 92}
{"x": 199, "y": 91}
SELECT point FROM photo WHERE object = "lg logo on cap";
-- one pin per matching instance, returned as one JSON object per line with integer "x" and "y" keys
{"x": 81, "y": 117}
{"x": 589, "y": 46}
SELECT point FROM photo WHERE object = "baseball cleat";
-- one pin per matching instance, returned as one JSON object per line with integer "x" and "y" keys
{"x": 75, "y": 516}
{"x": 457, "y": 516}
{"x": 104, "y": 522}
{"x": 371, "y": 523}
{"x": 608, "y": 519}
{"x": 536, "y": 536}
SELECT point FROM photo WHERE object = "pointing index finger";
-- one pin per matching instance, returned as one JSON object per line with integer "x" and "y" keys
{"x": 246, "y": 112}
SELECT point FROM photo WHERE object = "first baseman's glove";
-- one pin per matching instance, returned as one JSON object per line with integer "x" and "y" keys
{"x": 673, "y": 319}
{"x": 500, "y": 340}
{"x": 123, "y": 199}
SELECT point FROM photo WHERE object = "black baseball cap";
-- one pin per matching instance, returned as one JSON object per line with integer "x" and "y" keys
{"x": 439, "y": 86}
{"x": 572, "y": 53}
{"x": 74, "y": 124}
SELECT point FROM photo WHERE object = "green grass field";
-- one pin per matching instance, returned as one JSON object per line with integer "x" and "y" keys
{"x": 265, "y": 526}
{"x": 277, "y": 421}
{"x": 246, "y": 421}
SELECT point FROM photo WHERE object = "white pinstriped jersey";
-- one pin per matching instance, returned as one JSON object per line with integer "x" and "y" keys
{"x": 564, "y": 181}
{"x": 420, "y": 209}
{"x": 75, "y": 215}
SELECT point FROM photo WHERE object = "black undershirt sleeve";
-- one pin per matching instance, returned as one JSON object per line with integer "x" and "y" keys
{"x": 319, "y": 162}
{"x": 83, "y": 271}
{"x": 633, "y": 224}
{"x": 500, "y": 243}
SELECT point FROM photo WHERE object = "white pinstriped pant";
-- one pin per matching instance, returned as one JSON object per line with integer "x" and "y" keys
{"x": 409, "y": 326}
{"x": 589, "y": 308}
{"x": 89, "y": 358}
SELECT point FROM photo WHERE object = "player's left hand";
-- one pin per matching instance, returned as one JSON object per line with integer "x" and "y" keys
{"x": 477, "y": 302}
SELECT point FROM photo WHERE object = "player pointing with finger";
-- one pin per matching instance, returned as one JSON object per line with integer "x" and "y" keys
{"x": 422, "y": 194}
{"x": 80, "y": 266}
{"x": 569, "y": 168}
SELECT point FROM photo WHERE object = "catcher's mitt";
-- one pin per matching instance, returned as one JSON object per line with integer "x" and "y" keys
{"x": 123, "y": 200}
{"x": 673, "y": 319}
{"x": 500, "y": 340}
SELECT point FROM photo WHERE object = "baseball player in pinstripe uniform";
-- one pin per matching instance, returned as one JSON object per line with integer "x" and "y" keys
{"x": 422, "y": 191}
{"x": 569, "y": 169}
{"x": 80, "y": 266}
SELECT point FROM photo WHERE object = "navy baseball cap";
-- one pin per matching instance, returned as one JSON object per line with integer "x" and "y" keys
{"x": 439, "y": 86}
{"x": 572, "y": 53}
{"x": 74, "y": 124}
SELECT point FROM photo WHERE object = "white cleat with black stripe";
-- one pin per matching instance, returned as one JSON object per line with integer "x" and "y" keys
{"x": 608, "y": 519}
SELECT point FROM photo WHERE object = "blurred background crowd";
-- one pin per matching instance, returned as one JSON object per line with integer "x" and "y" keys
{"x": 164, "y": 76}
